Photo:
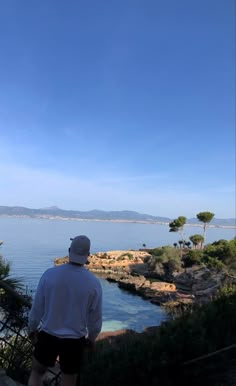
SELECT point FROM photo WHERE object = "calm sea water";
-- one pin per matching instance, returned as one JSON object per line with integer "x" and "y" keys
{"x": 32, "y": 244}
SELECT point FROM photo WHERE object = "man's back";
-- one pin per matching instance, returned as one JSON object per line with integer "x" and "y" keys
{"x": 72, "y": 301}
{"x": 68, "y": 305}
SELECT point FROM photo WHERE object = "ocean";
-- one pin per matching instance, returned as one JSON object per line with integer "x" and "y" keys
{"x": 31, "y": 245}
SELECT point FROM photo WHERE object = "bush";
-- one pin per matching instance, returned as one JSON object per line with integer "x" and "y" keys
{"x": 214, "y": 263}
{"x": 120, "y": 360}
{"x": 124, "y": 255}
{"x": 157, "y": 251}
{"x": 218, "y": 255}
{"x": 165, "y": 253}
{"x": 164, "y": 261}
{"x": 192, "y": 257}
{"x": 173, "y": 265}
{"x": 223, "y": 251}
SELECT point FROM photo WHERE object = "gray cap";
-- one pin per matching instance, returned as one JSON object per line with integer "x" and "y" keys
{"x": 79, "y": 249}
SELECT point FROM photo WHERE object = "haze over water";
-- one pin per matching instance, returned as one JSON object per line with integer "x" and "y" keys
{"x": 32, "y": 244}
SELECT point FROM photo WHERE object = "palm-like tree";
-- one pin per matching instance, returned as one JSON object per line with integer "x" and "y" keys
{"x": 177, "y": 225}
{"x": 188, "y": 244}
{"x": 205, "y": 217}
{"x": 12, "y": 303}
{"x": 197, "y": 240}
{"x": 6, "y": 281}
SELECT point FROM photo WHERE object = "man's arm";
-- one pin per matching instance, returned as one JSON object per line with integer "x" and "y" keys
{"x": 37, "y": 308}
{"x": 95, "y": 316}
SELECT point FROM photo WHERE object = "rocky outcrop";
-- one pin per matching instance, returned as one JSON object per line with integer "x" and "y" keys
{"x": 129, "y": 270}
{"x": 121, "y": 260}
{"x": 156, "y": 292}
{"x": 201, "y": 282}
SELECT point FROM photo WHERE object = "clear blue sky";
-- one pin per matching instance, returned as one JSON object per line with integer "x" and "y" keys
{"x": 123, "y": 104}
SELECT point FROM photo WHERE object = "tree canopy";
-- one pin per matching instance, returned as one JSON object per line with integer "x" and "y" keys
{"x": 205, "y": 217}
{"x": 177, "y": 224}
{"x": 196, "y": 239}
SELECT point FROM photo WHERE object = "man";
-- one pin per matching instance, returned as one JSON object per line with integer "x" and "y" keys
{"x": 68, "y": 308}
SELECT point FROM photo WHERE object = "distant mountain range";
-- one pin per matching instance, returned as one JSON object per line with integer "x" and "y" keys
{"x": 124, "y": 215}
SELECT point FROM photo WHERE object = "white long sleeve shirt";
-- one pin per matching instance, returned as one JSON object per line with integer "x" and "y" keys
{"x": 68, "y": 303}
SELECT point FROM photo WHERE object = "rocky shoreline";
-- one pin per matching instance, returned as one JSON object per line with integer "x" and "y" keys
{"x": 129, "y": 270}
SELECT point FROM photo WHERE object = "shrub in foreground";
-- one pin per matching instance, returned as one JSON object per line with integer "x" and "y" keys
{"x": 156, "y": 357}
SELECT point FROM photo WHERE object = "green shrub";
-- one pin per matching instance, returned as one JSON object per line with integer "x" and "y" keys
{"x": 165, "y": 253}
{"x": 157, "y": 357}
{"x": 164, "y": 261}
{"x": 173, "y": 265}
{"x": 192, "y": 257}
{"x": 125, "y": 255}
{"x": 214, "y": 263}
{"x": 157, "y": 251}
{"x": 129, "y": 255}
{"x": 223, "y": 251}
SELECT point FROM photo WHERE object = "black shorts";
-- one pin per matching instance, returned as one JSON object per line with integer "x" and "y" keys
{"x": 69, "y": 351}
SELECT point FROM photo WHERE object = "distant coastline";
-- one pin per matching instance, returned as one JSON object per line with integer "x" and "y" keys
{"x": 97, "y": 215}
{"x": 133, "y": 221}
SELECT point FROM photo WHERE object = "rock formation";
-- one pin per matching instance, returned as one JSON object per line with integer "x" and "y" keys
{"x": 129, "y": 270}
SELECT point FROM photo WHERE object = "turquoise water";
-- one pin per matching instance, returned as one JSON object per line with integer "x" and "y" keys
{"x": 32, "y": 244}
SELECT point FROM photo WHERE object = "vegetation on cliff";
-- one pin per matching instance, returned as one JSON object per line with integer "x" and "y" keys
{"x": 220, "y": 255}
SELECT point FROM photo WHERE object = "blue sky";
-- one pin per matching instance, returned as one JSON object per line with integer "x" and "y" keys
{"x": 123, "y": 104}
